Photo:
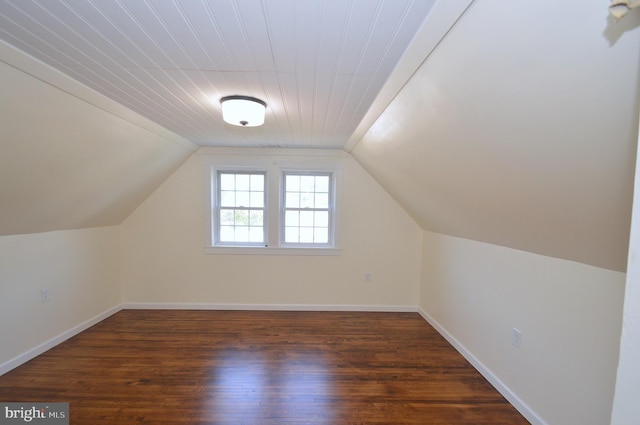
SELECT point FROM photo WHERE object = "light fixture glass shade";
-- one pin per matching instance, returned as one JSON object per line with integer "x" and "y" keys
{"x": 243, "y": 111}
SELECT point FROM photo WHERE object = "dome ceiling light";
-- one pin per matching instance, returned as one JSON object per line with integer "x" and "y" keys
{"x": 243, "y": 111}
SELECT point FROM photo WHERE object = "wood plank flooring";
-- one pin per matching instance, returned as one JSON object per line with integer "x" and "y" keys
{"x": 260, "y": 368}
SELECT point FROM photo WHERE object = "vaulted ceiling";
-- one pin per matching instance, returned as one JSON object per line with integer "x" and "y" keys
{"x": 520, "y": 130}
{"x": 317, "y": 64}
{"x": 509, "y": 123}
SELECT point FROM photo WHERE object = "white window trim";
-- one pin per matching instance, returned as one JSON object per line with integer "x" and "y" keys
{"x": 273, "y": 162}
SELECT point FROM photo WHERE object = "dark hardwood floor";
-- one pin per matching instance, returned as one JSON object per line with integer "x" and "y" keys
{"x": 259, "y": 367}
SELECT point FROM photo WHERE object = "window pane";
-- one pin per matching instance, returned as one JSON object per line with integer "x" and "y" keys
{"x": 227, "y": 181}
{"x": 227, "y": 198}
{"x": 256, "y": 218}
{"x": 321, "y": 235}
{"x": 257, "y": 182}
{"x": 307, "y": 183}
{"x": 243, "y": 182}
{"x": 227, "y": 234}
{"x": 226, "y": 217}
{"x": 241, "y": 217}
{"x": 321, "y": 219}
{"x": 242, "y": 234}
{"x": 291, "y": 218}
{"x": 306, "y": 200}
{"x": 291, "y": 235}
{"x": 292, "y": 200}
{"x": 293, "y": 183}
{"x": 306, "y": 235}
{"x": 322, "y": 184}
{"x": 257, "y": 200}
{"x": 256, "y": 234}
{"x": 306, "y": 218}
{"x": 243, "y": 199}
{"x": 322, "y": 200}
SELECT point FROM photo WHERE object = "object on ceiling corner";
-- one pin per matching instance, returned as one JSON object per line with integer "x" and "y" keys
{"x": 243, "y": 111}
{"x": 619, "y": 8}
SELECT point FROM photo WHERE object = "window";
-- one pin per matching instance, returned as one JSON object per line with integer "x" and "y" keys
{"x": 276, "y": 204}
{"x": 307, "y": 208}
{"x": 240, "y": 209}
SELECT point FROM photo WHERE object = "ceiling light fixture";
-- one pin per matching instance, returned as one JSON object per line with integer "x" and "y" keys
{"x": 243, "y": 111}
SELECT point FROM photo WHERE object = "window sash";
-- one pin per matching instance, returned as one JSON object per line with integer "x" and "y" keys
{"x": 306, "y": 213}
{"x": 238, "y": 210}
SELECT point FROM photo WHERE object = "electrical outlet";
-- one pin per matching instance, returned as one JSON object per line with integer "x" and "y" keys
{"x": 367, "y": 277}
{"x": 516, "y": 337}
{"x": 45, "y": 296}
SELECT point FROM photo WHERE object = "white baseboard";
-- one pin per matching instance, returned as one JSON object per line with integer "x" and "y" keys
{"x": 506, "y": 392}
{"x": 274, "y": 307}
{"x": 47, "y": 345}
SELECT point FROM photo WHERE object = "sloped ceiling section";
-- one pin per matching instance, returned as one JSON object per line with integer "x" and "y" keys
{"x": 318, "y": 64}
{"x": 70, "y": 158}
{"x": 520, "y": 130}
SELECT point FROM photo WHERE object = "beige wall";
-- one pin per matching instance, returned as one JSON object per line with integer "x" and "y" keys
{"x": 494, "y": 138}
{"x": 80, "y": 268}
{"x": 163, "y": 258}
{"x": 569, "y": 314}
{"x": 71, "y": 158}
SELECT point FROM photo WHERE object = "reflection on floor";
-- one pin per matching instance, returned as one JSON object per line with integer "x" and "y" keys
{"x": 260, "y": 367}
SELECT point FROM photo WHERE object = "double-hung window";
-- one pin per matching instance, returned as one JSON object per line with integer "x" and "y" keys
{"x": 240, "y": 208}
{"x": 307, "y": 209}
{"x": 286, "y": 204}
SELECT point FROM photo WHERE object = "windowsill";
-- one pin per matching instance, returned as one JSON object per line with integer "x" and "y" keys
{"x": 264, "y": 250}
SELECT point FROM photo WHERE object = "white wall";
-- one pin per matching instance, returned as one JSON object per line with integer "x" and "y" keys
{"x": 80, "y": 268}
{"x": 163, "y": 259}
{"x": 626, "y": 409}
{"x": 569, "y": 314}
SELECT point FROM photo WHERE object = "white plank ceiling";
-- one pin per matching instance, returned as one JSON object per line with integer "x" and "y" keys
{"x": 319, "y": 64}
